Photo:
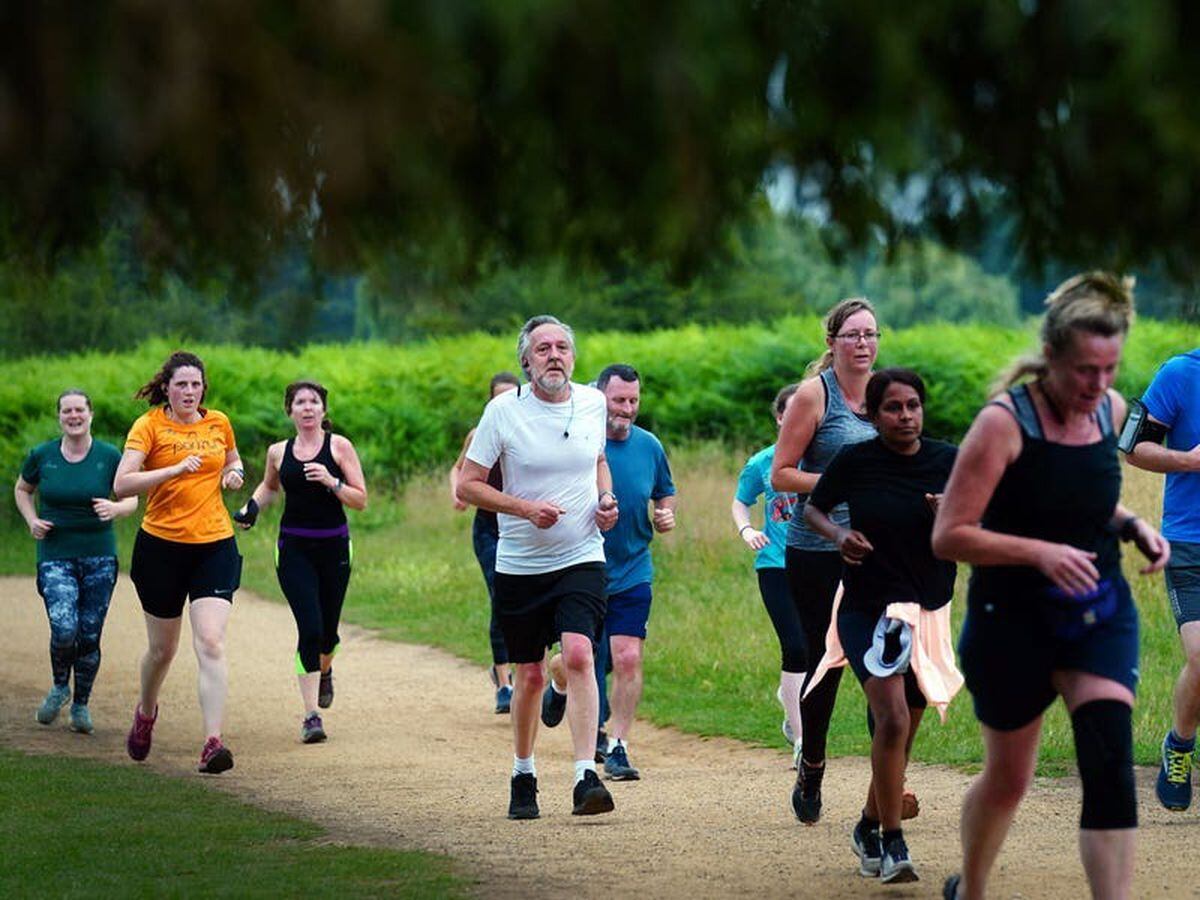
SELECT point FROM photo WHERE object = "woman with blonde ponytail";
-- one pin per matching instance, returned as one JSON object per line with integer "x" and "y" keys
{"x": 1033, "y": 503}
{"x": 827, "y": 412}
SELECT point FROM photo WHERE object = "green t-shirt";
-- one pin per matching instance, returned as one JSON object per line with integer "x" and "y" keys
{"x": 65, "y": 491}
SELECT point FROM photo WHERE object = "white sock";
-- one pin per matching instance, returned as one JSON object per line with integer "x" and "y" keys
{"x": 524, "y": 766}
{"x": 612, "y": 742}
{"x": 562, "y": 692}
{"x": 790, "y": 684}
{"x": 583, "y": 765}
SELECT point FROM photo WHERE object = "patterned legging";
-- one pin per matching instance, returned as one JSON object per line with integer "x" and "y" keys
{"x": 76, "y": 592}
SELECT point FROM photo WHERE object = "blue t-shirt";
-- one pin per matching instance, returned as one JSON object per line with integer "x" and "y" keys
{"x": 1174, "y": 399}
{"x": 640, "y": 473}
{"x": 780, "y": 507}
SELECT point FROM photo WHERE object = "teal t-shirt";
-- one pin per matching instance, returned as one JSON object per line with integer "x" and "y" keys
{"x": 65, "y": 491}
{"x": 754, "y": 481}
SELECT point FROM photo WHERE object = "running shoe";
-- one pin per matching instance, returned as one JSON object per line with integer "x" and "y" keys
{"x": 1174, "y": 784}
{"x": 806, "y": 793}
{"x": 522, "y": 803}
{"x": 897, "y": 866}
{"x": 950, "y": 888}
{"x": 554, "y": 705}
{"x": 591, "y": 797}
{"x": 601, "y": 747}
{"x": 215, "y": 758}
{"x": 55, "y": 700}
{"x": 617, "y": 767}
{"x": 81, "y": 719}
{"x": 313, "y": 730}
{"x": 325, "y": 690}
{"x": 503, "y": 699}
{"x": 786, "y": 727}
{"x": 868, "y": 846}
{"x": 137, "y": 742}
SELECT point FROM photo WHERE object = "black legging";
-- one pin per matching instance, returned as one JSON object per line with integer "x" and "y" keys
{"x": 314, "y": 574}
{"x": 484, "y": 537}
{"x": 813, "y": 576}
{"x": 777, "y": 598}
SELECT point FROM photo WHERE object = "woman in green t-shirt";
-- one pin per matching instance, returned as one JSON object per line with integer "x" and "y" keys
{"x": 76, "y": 550}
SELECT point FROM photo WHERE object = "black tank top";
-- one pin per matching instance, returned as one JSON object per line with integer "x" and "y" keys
{"x": 1054, "y": 492}
{"x": 485, "y": 517}
{"x": 309, "y": 504}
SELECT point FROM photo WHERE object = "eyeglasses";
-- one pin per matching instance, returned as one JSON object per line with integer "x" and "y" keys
{"x": 853, "y": 337}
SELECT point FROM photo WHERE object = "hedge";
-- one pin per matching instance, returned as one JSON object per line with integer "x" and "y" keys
{"x": 407, "y": 407}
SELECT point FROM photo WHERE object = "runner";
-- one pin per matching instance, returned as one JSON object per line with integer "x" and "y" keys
{"x": 320, "y": 474}
{"x": 182, "y": 455}
{"x": 485, "y": 534}
{"x": 826, "y": 413}
{"x": 76, "y": 549}
{"x": 896, "y": 595}
{"x": 1171, "y": 409}
{"x": 768, "y": 544}
{"x": 1033, "y": 505}
{"x": 549, "y": 443}
{"x": 641, "y": 476}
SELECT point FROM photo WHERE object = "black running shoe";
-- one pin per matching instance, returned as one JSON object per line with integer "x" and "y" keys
{"x": 554, "y": 705}
{"x": 950, "y": 888}
{"x": 522, "y": 803}
{"x": 806, "y": 794}
{"x": 897, "y": 866}
{"x": 868, "y": 846}
{"x": 601, "y": 747}
{"x": 325, "y": 690}
{"x": 591, "y": 797}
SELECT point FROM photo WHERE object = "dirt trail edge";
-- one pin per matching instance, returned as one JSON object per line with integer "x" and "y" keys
{"x": 416, "y": 759}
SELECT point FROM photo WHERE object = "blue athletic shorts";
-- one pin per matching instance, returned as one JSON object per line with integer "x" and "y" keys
{"x": 629, "y": 612}
{"x": 1182, "y": 576}
{"x": 1009, "y": 654}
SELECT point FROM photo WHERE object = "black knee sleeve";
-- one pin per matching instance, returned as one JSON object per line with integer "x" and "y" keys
{"x": 1104, "y": 751}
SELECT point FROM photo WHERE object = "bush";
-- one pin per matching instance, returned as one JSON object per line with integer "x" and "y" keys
{"x": 407, "y": 408}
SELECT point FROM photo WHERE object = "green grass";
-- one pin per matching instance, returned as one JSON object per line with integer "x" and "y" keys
{"x": 72, "y": 828}
{"x": 711, "y": 658}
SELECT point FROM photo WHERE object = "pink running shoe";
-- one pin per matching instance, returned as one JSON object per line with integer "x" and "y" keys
{"x": 137, "y": 742}
{"x": 215, "y": 758}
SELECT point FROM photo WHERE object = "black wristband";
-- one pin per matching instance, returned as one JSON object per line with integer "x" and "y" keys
{"x": 743, "y": 528}
{"x": 1128, "y": 530}
{"x": 250, "y": 516}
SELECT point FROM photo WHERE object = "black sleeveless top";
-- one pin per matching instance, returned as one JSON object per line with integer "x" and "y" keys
{"x": 1054, "y": 492}
{"x": 485, "y": 518}
{"x": 309, "y": 505}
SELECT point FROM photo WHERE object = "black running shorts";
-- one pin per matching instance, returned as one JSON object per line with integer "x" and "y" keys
{"x": 167, "y": 573}
{"x": 535, "y": 610}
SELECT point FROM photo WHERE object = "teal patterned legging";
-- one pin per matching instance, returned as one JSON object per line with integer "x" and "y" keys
{"x": 76, "y": 592}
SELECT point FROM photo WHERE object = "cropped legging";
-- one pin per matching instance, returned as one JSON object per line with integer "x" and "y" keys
{"x": 314, "y": 574}
{"x": 813, "y": 576}
{"x": 76, "y": 593}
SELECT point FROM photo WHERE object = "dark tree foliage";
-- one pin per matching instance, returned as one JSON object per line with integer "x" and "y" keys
{"x": 233, "y": 131}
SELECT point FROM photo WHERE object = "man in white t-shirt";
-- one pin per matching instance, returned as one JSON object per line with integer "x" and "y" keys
{"x": 548, "y": 439}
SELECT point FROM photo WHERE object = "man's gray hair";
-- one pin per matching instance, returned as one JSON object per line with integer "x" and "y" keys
{"x": 529, "y": 327}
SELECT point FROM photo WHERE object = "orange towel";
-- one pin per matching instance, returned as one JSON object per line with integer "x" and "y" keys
{"x": 932, "y": 651}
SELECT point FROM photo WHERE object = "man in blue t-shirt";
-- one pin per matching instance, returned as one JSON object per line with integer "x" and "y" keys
{"x": 1173, "y": 411}
{"x": 641, "y": 477}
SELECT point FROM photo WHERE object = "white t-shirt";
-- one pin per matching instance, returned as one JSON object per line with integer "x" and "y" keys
{"x": 525, "y": 435}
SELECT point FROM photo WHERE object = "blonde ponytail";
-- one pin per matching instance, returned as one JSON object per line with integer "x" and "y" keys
{"x": 1092, "y": 302}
